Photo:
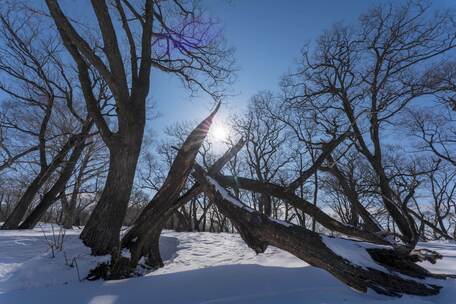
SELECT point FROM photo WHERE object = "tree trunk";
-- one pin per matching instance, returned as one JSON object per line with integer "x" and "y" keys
{"x": 385, "y": 269}
{"x": 59, "y": 186}
{"x": 351, "y": 194}
{"x": 153, "y": 258}
{"x": 13, "y": 221}
{"x": 267, "y": 204}
{"x": 154, "y": 216}
{"x": 101, "y": 233}
{"x": 68, "y": 212}
{"x": 301, "y": 204}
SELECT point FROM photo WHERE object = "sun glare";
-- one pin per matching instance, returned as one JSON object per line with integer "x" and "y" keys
{"x": 219, "y": 133}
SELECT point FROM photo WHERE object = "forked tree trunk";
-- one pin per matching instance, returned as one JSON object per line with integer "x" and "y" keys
{"x": 385, "y": 274}
{"x": 143, "y": 238}
{"x": 101, "y": 233}
{"x": 158, "y": 219}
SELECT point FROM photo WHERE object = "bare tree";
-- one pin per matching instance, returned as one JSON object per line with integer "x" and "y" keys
{"x": 173, "y": 36}
{"x": 266, "y": 150}
{"x": 436, "y": 131}
{"x": 42, "y": 104}
{"x": 363, "y": 77}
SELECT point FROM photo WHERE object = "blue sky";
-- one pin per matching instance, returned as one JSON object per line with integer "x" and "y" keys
{"x": 267, "y": 36}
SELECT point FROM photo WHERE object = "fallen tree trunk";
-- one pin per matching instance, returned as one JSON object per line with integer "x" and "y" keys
{"x": 301, "y": 204}
{"x": 359, "y": 265}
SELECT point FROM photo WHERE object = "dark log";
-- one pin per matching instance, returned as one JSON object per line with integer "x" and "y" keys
{"x": 382, "y": 274}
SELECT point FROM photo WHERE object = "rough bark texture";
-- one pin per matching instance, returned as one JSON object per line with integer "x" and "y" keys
{"x": 158, "y": 217}
{"x": 102, "y": 231}
{"x": 259, "y": 231}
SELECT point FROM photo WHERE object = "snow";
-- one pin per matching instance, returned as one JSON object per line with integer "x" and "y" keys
{"x": 226, "y": 195}
{"x": 353, "y": 251}
{"x": 199, "y": 268}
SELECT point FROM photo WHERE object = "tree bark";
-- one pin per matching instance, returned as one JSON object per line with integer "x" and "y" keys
{"x": 147, "y": 226}
{"x": 51, "y": 196}
{"x": 68, "y": 212}
{"x": 301, "y": 204}
{"x": 14, "y": 219}
{"x": 259, "y": 231}
{"x": 102, "y": 231}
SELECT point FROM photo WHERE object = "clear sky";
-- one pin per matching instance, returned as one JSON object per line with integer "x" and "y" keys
{"x": 267, "y": 36}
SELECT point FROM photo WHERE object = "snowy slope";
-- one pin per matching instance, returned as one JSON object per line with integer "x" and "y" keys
{"x": 200, "y": 268}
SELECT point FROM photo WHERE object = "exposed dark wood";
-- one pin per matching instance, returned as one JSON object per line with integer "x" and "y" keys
{"x": 102, "y": 231}
{"x": 158, "y": 217}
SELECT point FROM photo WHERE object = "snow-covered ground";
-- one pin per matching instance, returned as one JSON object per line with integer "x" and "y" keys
{"x": 200, "y": 268}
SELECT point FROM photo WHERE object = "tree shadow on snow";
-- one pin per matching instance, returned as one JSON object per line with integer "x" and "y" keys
{"x": 221, "y": 284}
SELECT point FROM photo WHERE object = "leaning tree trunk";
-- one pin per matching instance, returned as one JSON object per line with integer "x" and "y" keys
{"x": 69, "y": 207}
{"x": 142, "y": 238}
{"x": 59, "y": 186}
{"x": 14, "y": 219}
{"x": 102, "y": 231}
{"x": 383, "y": 269}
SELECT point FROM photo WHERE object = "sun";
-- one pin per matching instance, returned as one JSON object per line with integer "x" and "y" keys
{"x": 219, "y": 133}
